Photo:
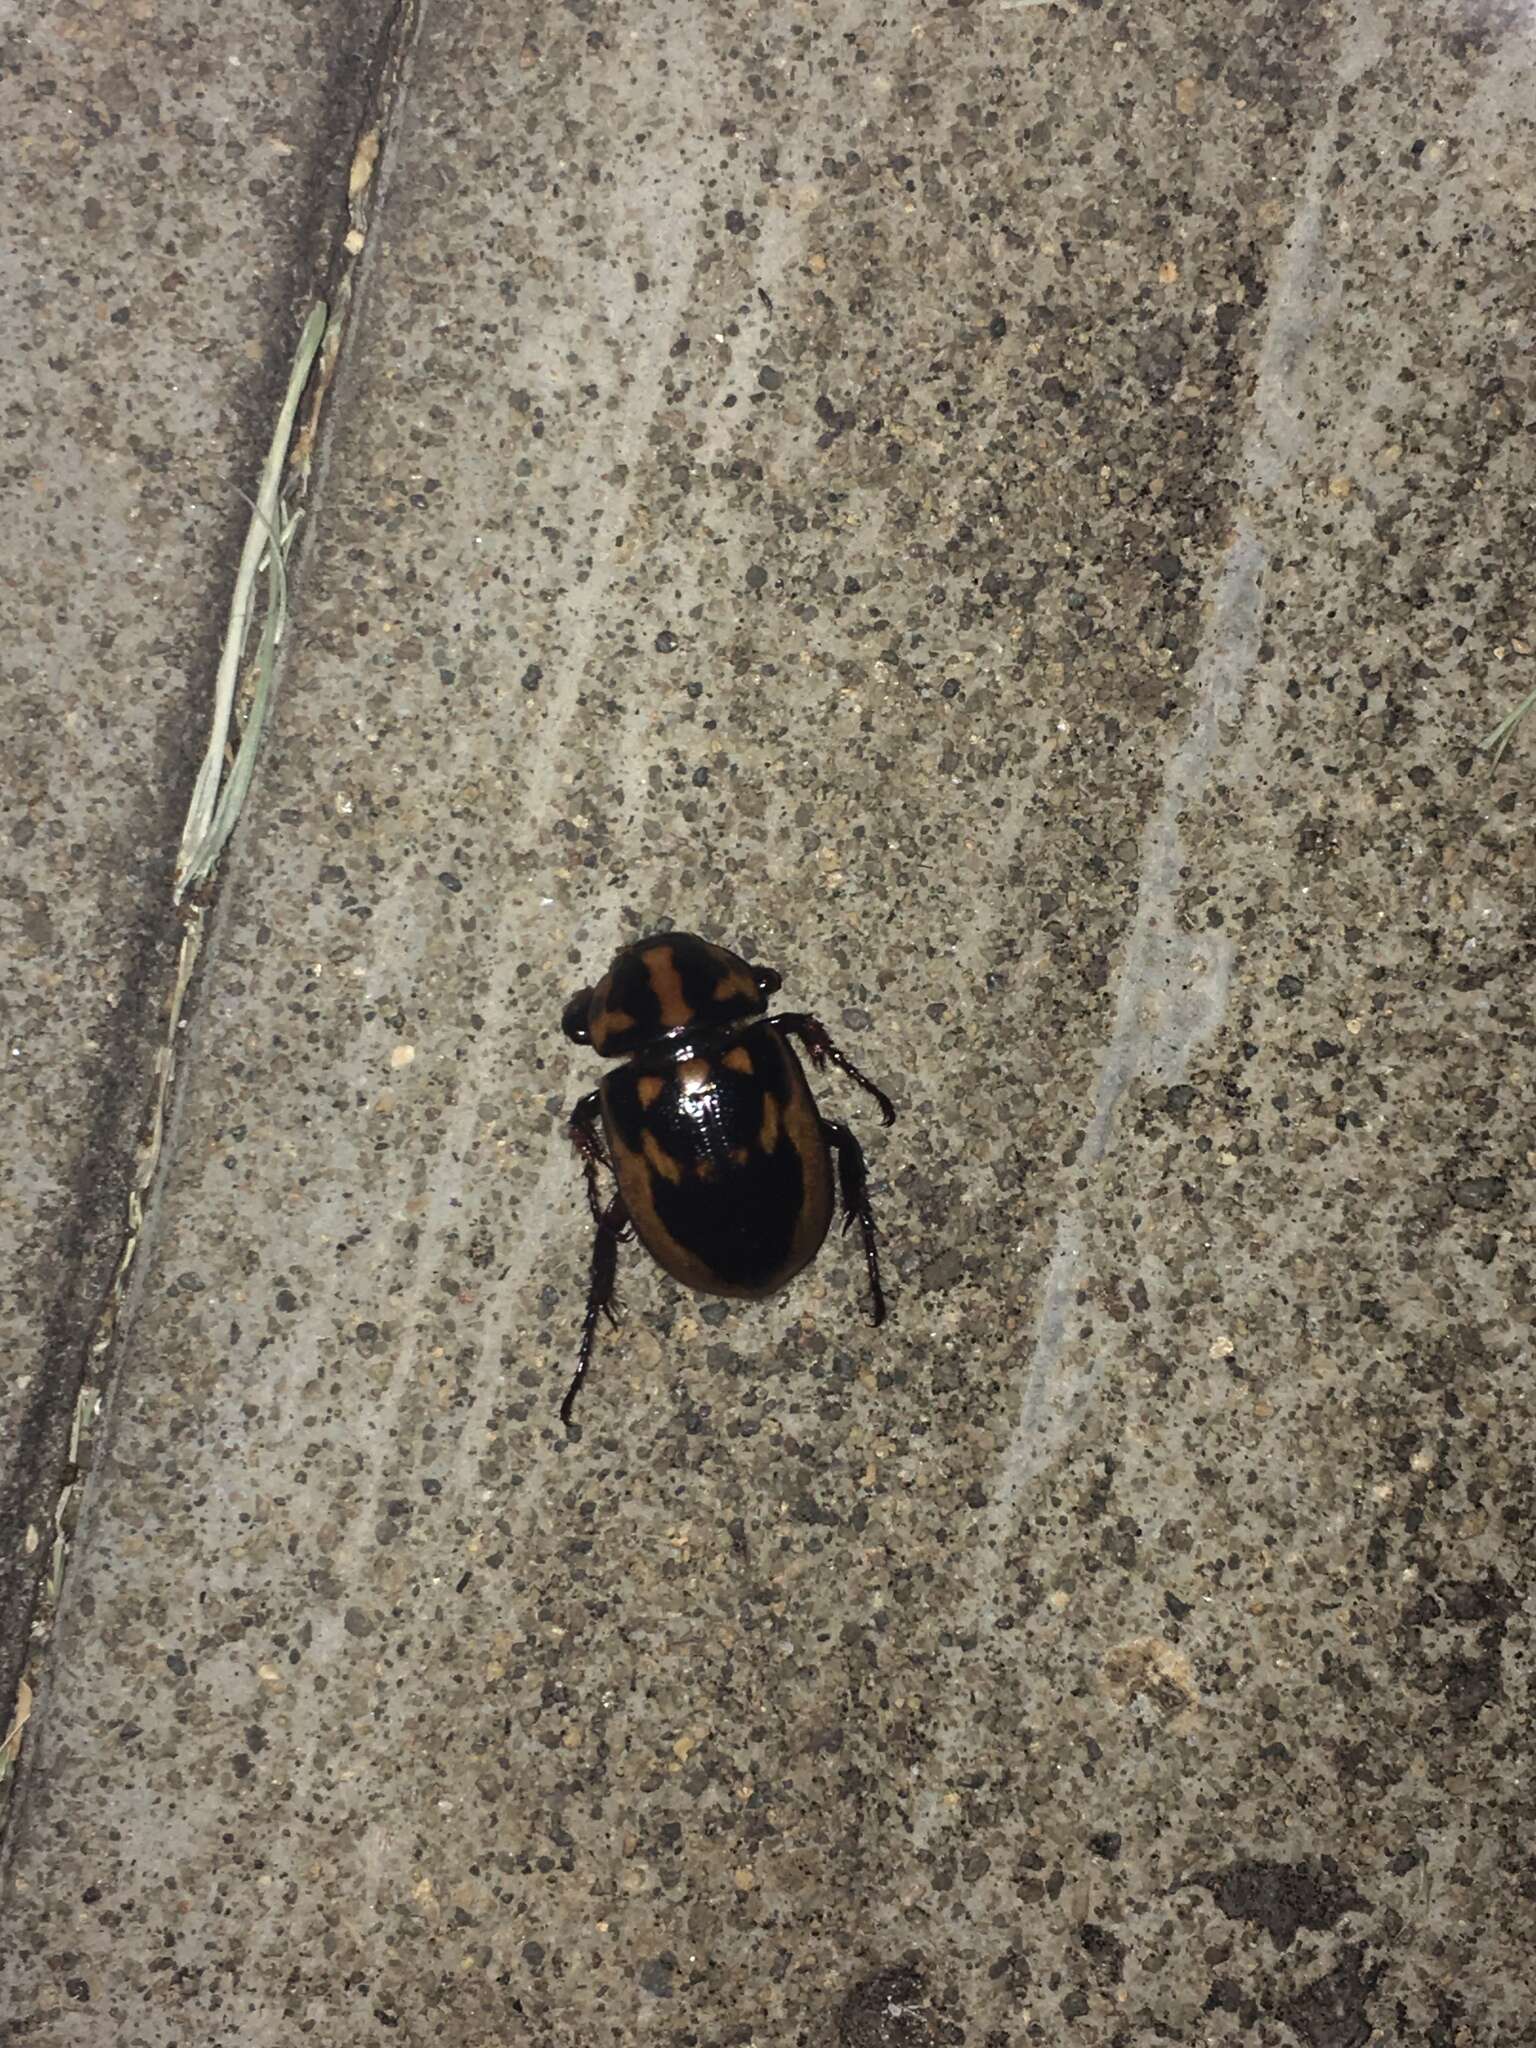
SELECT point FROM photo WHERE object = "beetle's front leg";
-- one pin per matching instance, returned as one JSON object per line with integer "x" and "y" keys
{"x": 817, "y": 1040}
{"x": 853, "y": 1181}
{"x": 612, "y": 1229}
{"x": 585, "y": 1129}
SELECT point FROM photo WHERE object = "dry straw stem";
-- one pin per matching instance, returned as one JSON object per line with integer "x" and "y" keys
{"x": 212, "y": 813}
{"x": 1496, "y": 741}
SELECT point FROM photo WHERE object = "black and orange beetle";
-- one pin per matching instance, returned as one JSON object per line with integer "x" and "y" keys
{"x": 723, "y": 1161}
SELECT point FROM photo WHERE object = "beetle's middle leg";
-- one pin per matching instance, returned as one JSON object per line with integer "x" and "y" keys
{"x": 817, "y": 1040}
{"x": 585, "y": 1128}
{"x": 853, "y": 1180}
{"x": 612, "y": 1229}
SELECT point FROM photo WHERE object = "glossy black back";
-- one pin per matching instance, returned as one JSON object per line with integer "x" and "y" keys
{"x": 721, "y": 1138}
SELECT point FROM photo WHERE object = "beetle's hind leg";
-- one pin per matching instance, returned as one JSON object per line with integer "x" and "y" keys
{"x": 817, "y": 1040}
{"x": 586, "y": 1134}
{"x": 853, "y": 1181}
{"x": 612, "y": 1229}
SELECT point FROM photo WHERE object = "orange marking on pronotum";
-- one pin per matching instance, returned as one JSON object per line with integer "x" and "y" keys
{"x": 667, "y": 987}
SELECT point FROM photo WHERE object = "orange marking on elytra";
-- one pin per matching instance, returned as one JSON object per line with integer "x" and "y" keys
{"x": 802, "y": 1128}
{"x": 768, "y": 1136}
{"x": 648, "y": 1088}
{"x": 738, "y": 1059}
{"x": 660, "y": 1160}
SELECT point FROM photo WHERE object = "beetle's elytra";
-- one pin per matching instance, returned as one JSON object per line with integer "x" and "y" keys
{"x": 722, "y": 1159}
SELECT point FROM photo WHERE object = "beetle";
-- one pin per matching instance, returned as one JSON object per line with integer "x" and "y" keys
{"x": 722, "y": 1160}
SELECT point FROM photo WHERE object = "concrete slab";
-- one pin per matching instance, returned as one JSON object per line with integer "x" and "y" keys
{"x": 1016, "y": 516}
{"x": 172, "y": 183}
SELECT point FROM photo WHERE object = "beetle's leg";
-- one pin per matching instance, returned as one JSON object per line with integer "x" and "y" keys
{"x": 813, "y": 1035}
{"x": 853, "y": 1178}
{"x": 585, "y": 1128}
{"x": 612, "y": 1229}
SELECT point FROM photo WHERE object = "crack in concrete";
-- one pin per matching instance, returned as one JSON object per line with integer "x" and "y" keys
{"x": 379, "y": 110}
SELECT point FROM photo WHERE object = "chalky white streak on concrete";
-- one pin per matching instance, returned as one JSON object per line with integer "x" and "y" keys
{"x": 1173, "y": 985}
{"x": 639, "y": 344}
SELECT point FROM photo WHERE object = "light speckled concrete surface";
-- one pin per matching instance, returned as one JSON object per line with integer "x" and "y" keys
{"x": 1015, "y": 515}
{"x": 170, "y": 180}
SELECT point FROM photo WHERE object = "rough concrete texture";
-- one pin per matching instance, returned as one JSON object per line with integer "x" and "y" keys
{"x": 1014, "y": 515}
{"x": 170, "y": 180}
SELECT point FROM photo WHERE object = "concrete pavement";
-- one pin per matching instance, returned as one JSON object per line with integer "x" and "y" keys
{"x": 173, "y": 188}
{"x": 1017, "y": 517}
